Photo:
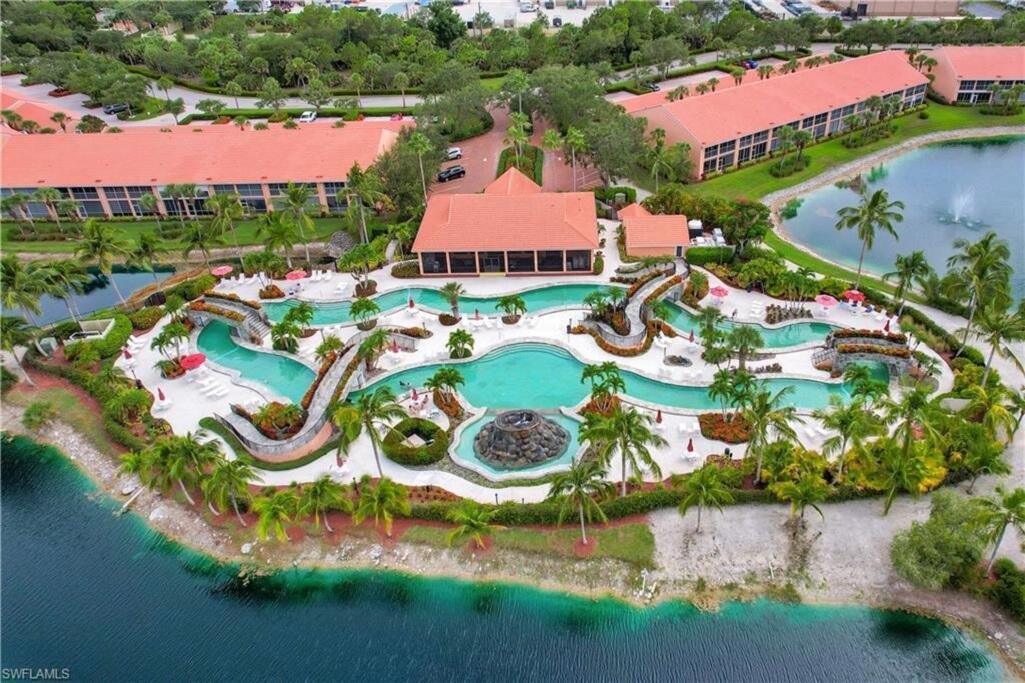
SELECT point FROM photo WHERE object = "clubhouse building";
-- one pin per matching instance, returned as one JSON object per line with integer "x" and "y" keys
{"x": 737, "y": 124}
{"x": 967, "y": 74}
{"x": 513, "y": 227}
{"x": 107, "y": 174}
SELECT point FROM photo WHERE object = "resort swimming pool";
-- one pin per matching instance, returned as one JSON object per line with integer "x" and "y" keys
{"x": 545, "y": 377}
{"x": 464, "y": 449}
{"x": 791, "y": 334}
{"x": 286, "y": 377}
{"x": 536, "y": 300}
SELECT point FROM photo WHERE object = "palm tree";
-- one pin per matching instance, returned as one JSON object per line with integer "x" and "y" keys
{"x": 278, "y": 234}
{"x": 364, "y": 188}
{"x": 581, "y": 487}
{"x": 371, "y": 413}
{"x": 980, "y": 272}
{"x": 743, "y": 341}
{"x": 996, "y": 514}
{"x": 876, "y": 212}
{"x": 382, "y": 502}
{"x": 863, "y": 384}
{"x": 913, "y": 269}
{"x": 302, "y": 314}
{"x": 295, "y": 200}
{"x": 626, "y": 433}
{"x": 285, "y": 335}
{"x": 274, "y": 511}
{"x": 785, "y": 135}
{"x": 61, "y": 119}
{"x": 513, "y": 304}
{"x": 806, "y": 492}
{"x": 707, "y": 320}
{"x": 852, "y": 422}
{"x": 372, "y": 346}
{"x": 228, "y": 483}
{"x": 705, "y": 488}
{"x": 459, "y": 344}
{"x": 473, "y": 521}
{"x": 64, "y": 279}
{"x": 364, "y": 311}
{"x": 990, "y": 404}
{"x": 199, "y": 236}
{"x": 320, "y": 496}
{"x": 575, "y": 142}
{"x": 658, "y": 156}
{"x": 722, "y": 389}
{"x": 148, "y": 203}
{"x": 452, "y": 291}
{"x": 516, "y": 134}
{"x": 766, "y": 415}
{"x": 15, "y": 332}
{"x": 1016, "y": 404}
{"x": 445, "y": 380}
{"x": 49, "y": 197}
{"x": 226, "y": 209}
{"x": 999, "y": 327}
{"x": 180, "y": 460}
{"x": 420, "y": 144}
{"x": 552, "y": 141}
{"x": 146, "y": 254}
{"x": 330, "y": 344}
{"x": 102, "y": 243}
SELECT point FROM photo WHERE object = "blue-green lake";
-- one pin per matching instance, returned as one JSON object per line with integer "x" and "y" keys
{"x": 110, "y": 600}
{"x": 951, "y": 190}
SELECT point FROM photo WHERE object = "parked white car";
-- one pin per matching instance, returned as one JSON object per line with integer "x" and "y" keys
{"x": 528, "y": 7}
{"x": 308, "y": 117}
{"x": 453, "y": 153}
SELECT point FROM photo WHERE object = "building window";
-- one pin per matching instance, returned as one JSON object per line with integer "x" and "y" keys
{"x": 491, "y": 261}
{"x": 549, "y": 261}
{"x": 578, "y": 260}
{"x": 964, "y": 97}
{"x": 758, "y": 151}
{"x": 727, "y": 146}
{"x": 521, "y": 262}
{"x": 744, "y": 155}
{"x": 462, "y": 262}
{"x": 725, "y": 161}
{"x": 434, "y": 262}
{"x": 709, "y": 165}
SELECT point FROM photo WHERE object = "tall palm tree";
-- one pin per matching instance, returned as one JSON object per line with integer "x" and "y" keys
{"x": 61, "y": 119}
{"x": 372, "y": 346}
{"x": 278, "y": 233}
{"x": 364, "y": 188}
{"x": 766, "y": 416}
{"x": 516, "y": 134}
{"x": 473, "y": 521}
{"x": 330, "y": 344}
{"x": 743, "y": 341}
{"x": 875, "y": 213}
{"x": 49, "y": 197}
{"x": 910, "y": 270}
{"x": 452, "y": 291}
{"x": 14, "y": 332}
{"x": 445, "y": 380}
{"x": 1007, "y": 509}
{"x": 201, "y": 237}
{"x": 146, "y": 254}
{"x": 69, "y": 278}
{"x": 575, "y": 143}
{"x": 382, "y": 502}
{"x": 705, "y": 488}
{"x": 852, "y": 422}
{"x": 581, "y": 487}
{"x": 999, "y": 327}
{"x": 420, "y": 144}
{"x": 148, "y": 203}
{"x": 980, "y": 273}
{"x": 228, "y": 484}
{"x": 626, "y": 433}
{"x": 102, "y": 243}
{"x": 658, "y": 156}
{"x": 373, "y": 412}
{"x": 991, "y": 405}
{"x": 295, "y": 200}
{"x": 226, "y": 209}
{"x": 320, "y": 496}
{"x": 863, "y": 384}
{"x": 808, "y": 491}
{"x": 274, "y": 511}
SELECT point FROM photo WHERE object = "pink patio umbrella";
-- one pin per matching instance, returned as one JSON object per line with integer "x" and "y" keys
{"x": 886, "y": 327}
{"x": 411, "y": 304}
{"x": 127, "y": 354}
{"x": 192, "y": 361}
{"x": 826, "y": 300}
{"x": 692, "y": 336}
{"x": 690, "y": 445}
{"x": 160, "y": 394}
{"x": 296, "y": 275}
{"x": 658, "y": 417}
{"x": 719, "y": 292}
{"x": 221, "y": 271}
{"x": 394, "y": 346}
{"x": 854, "y": 295}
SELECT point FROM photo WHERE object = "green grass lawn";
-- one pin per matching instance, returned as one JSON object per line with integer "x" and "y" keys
{"x": 633, "y": 543}
{"x": 153, "y": 106}
{"x": 245, "y": 229}
{"x": 70, "y": 410}
{"x": 755, "y": 181}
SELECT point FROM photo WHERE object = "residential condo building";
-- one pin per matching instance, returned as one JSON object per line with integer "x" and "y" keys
{"x": 968, "y": 74}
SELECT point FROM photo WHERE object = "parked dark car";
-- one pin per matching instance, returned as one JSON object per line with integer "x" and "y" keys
{"x": 451, "y": 174}
{"x": 651, "y": 86}
{"x": 115, "y": 108}
{"x": 557, "y": 22}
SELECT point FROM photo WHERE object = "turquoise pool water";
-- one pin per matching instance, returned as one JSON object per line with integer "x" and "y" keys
{"x": 774, "y": 338}
{"x": 546, "y": 377}
{"x": 536, "y": 299}
{"x": 464, "y": 449}
{"x": 286, "y": 377}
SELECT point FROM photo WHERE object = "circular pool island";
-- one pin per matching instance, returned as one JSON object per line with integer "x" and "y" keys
{"x": 520, "y": 438}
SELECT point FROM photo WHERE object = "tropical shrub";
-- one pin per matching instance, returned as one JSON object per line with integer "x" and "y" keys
{"x": 406, "y": 269}
{"x": 107, "y": 347}
{"x": 145, "y": 318}
{"x": 608, "y": 194}
{"x": 695, "y": 289}
{"x": 700, "y": 256}
{"x": 194, "y": 288}
{"x": 1008, "y": 591}
{"x": 7, "y": 379}
{"x": 942, "y": 551}
{"x": 599, "y": 264}
{"x": 272, "y": 264}
{"x": 37, "y": 414}
{"x": 432, "y": 451}
{"x": 789, "y": 166}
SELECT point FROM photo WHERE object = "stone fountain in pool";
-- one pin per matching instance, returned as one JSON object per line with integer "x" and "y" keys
{"x": 520, "y": 438}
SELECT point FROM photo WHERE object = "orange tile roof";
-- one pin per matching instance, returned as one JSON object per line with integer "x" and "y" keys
{"x": 512, "y": 182}
{"x": 30, "y": 110}
{"x": 634, "y": 209}
{"x": 655, "y": 231}
{"x": 193, "y": 154}
{"x": 758, "y": 105}
{"x": 985, "y": 62}
{"x": 523, "y": 218}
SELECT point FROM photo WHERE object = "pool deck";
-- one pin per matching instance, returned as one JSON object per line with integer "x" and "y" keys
{"x": 187, "y": 405}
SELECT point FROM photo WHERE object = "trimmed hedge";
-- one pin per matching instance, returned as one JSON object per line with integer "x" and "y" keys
{"x": 428, "y": 454}
{"x": 194, "y": 288}
{"x": 406, "y": 269}
{"x": 699, "y": 256}
{"x": 532, "y": 157}
{"x": 107, "y": 347}
{"x": 145, "y": 318}
{"x": 608, "y": 194}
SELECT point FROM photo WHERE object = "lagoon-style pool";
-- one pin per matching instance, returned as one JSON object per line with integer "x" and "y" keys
{"x": 950, "y": 190}
{"x": 790, "y": 334}
{"x": 285, "y": 376}
{"x": 537, "y": 299}
{"x": 464, "y": 447}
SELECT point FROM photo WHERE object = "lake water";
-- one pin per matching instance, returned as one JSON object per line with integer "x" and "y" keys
{"x": 111, "y": 600}
{"x": 951, "y": 190}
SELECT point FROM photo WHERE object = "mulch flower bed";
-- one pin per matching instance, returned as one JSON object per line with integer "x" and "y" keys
{"x": 734, "y": 429}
